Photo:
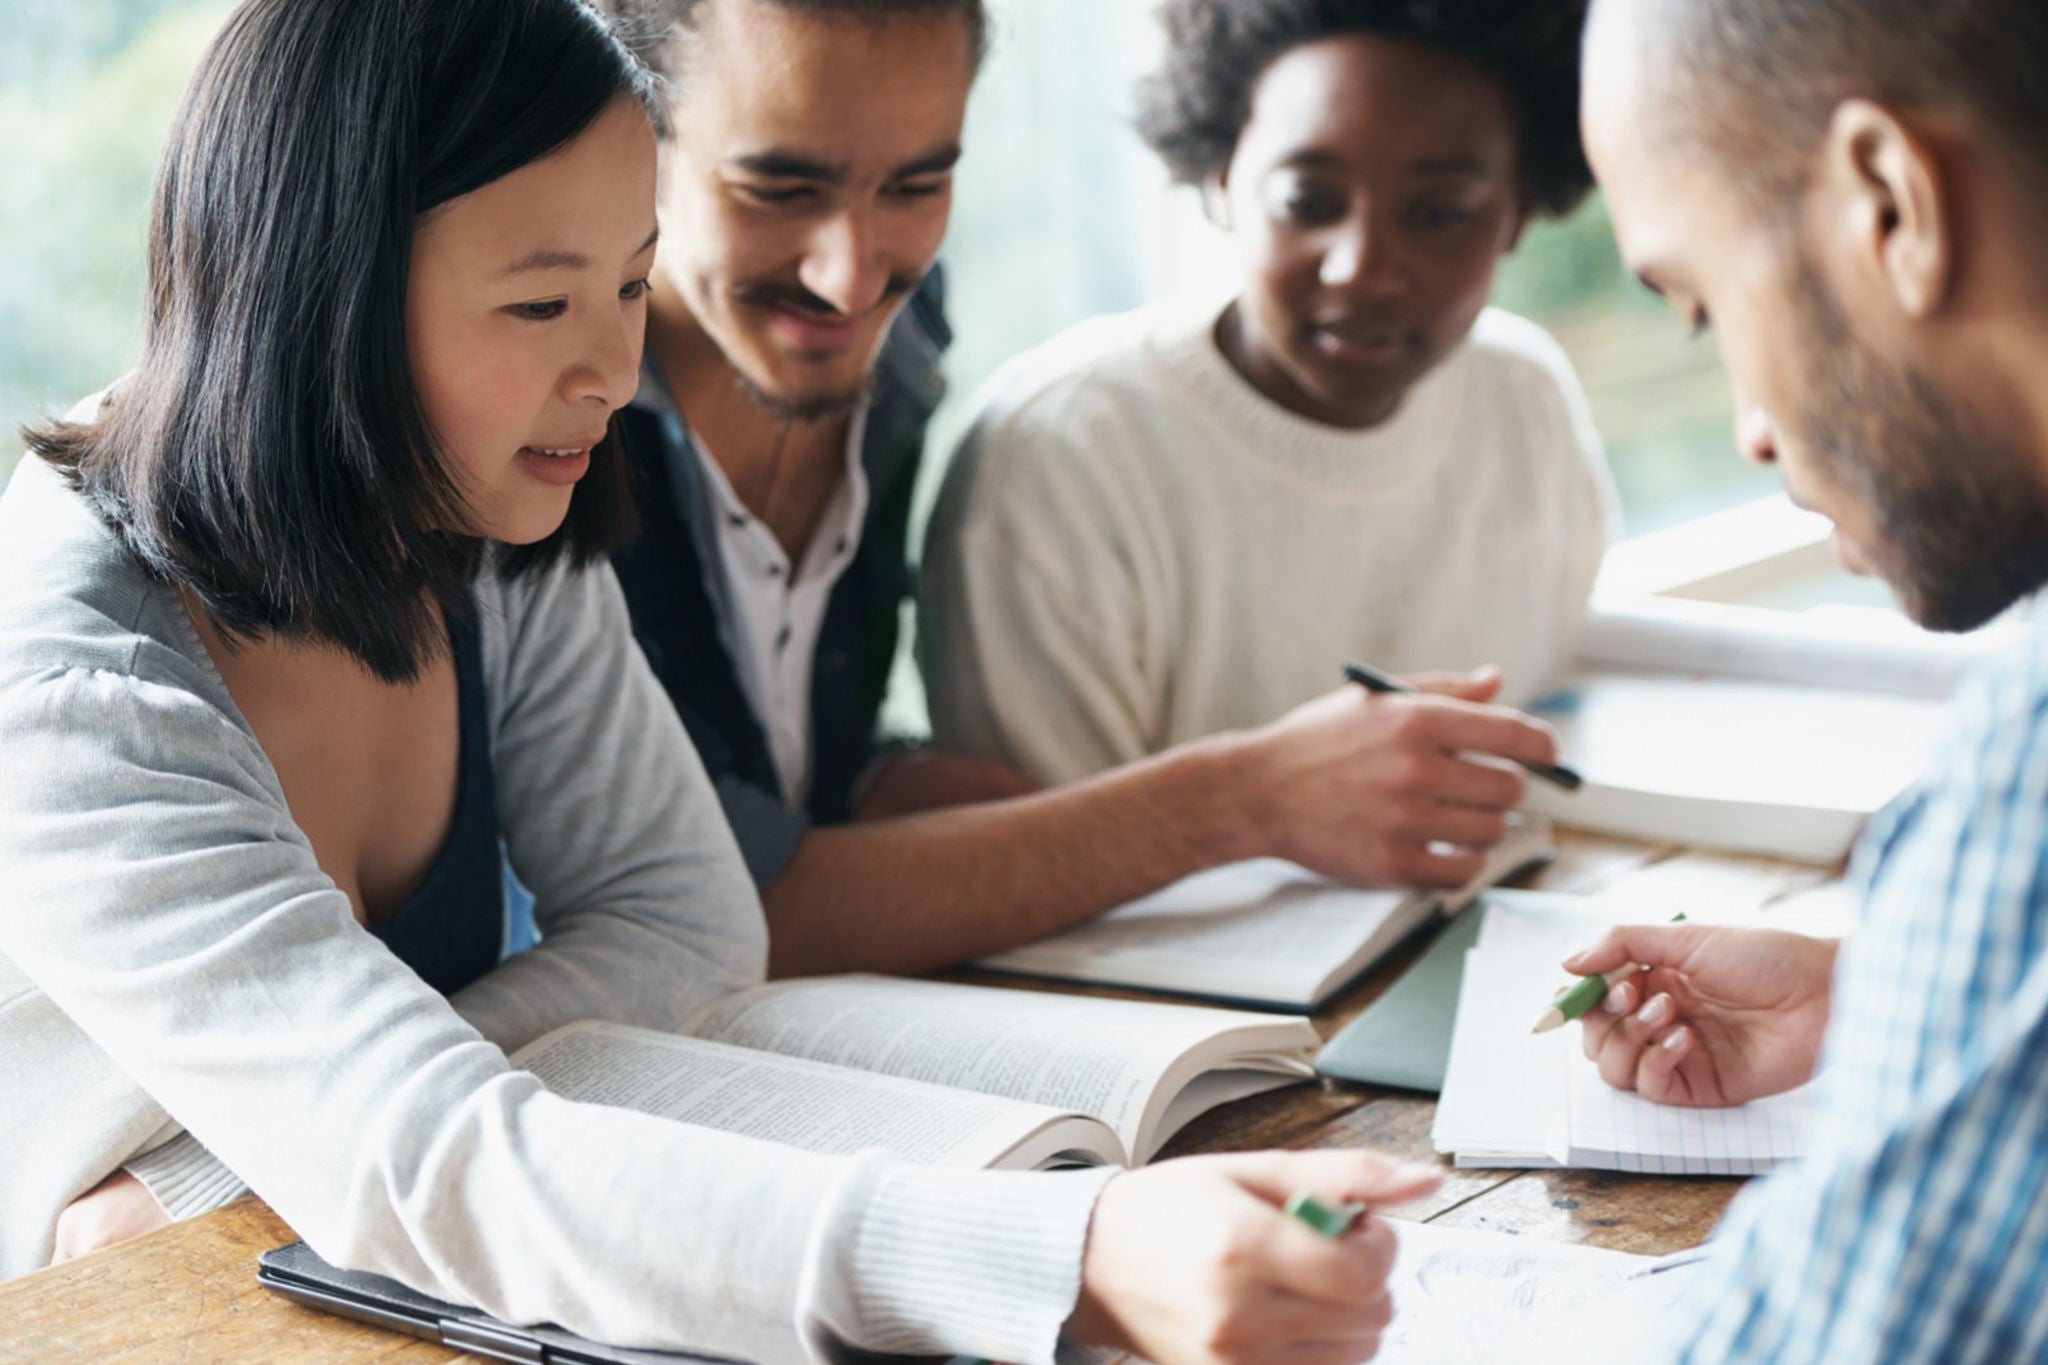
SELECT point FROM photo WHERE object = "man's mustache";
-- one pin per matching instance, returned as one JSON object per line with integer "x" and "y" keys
{"x": 798, "y": 299}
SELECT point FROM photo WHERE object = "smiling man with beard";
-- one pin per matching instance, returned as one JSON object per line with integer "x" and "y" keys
{"x": 794, "y": 338}
{"x": 1853, "y": 194}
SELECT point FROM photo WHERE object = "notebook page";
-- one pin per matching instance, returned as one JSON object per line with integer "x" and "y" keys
{"x": 1503, "y": 1096}
{"x": 1261, "y": 929}
{"x": 1620, "y": 1130}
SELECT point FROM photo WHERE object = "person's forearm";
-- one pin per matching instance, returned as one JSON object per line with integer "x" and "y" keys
{"x": 927, "y": 891}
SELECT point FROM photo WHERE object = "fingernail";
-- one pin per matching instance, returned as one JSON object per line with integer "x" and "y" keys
{"x": 1618, "y": 1001}
{"x": 1656, "y": 1012}
{"x": 1675, "y": 1041}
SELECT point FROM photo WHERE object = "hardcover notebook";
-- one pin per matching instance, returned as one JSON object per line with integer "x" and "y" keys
{"x": 1404, "y": 1037}
{"x": 1264, "y": 933}
{"x": 296, "y": 1273}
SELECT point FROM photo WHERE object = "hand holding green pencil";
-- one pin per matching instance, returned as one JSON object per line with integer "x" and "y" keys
{"x": 1705, "y": 1015}
{"x": 1221, "y": 1260}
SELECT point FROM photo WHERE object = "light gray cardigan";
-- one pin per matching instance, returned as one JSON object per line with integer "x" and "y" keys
{"x": 175, "y": 970}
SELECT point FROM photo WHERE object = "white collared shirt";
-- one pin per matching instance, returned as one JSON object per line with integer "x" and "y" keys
{"x": 779, "y": 608}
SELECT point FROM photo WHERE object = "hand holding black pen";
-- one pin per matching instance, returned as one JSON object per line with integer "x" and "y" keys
{"x": 1372, "y": 680}
{"x": 1396, "y": 791}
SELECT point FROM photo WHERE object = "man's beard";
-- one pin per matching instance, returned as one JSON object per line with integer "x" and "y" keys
{"x": 816, "y": 406}
{"x": 1961, "y": 512}
{"x": 803, "y": 407}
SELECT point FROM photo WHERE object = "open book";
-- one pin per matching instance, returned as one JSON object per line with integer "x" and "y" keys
{"x": 1515, "y": 1099}
{"x": 1264, "y": 933}
{"x": 935, "y": 1073}
{"x": 1746, "y": 729}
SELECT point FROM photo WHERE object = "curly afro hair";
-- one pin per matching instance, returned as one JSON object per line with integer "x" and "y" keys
{"x": 1192, "y": 111}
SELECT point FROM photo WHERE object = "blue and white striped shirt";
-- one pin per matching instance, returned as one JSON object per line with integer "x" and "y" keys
{"x": 1917, "y": 1229}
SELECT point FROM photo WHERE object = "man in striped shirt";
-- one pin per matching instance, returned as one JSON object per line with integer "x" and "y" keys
{"x": 1855, "y": 194}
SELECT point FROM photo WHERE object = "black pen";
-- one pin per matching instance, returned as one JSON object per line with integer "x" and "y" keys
{"x": 1372, "y": 680}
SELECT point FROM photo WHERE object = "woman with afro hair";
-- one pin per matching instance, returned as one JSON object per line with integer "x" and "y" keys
{"x": 1177, "y": 522}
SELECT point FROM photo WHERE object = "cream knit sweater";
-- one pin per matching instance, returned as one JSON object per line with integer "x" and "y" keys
{"x": 1134, "y": 548}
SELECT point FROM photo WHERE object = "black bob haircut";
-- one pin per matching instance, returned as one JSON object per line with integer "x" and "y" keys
{"x": 658, "y": 30}
{"x": 269, "y": 453}
{"x": 1193, "y": 110}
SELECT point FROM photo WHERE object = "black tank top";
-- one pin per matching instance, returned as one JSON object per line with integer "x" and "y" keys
{"x": 451, "y": 928}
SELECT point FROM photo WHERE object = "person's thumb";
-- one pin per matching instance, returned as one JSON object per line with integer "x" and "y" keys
{"x": 1480, "y": 685}
{"x": 1646, "y": 945}
{"x": 1333, "y": 1177}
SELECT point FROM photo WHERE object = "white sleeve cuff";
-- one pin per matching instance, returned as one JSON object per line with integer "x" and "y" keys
{"x": 186, "y": 1179}
{"x": 976, "y": 1263}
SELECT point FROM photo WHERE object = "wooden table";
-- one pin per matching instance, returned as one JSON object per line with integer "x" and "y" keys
{"x": 188, "y": 1292}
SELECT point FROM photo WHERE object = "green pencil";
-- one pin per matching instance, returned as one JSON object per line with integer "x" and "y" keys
{"x": 1332, "y": 1223}
{"x": 1580, "y": 997}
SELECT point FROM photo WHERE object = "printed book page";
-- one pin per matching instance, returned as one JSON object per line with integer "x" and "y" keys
{"x": 1133, "y": 1064}
{"x": 806, "y": 1104}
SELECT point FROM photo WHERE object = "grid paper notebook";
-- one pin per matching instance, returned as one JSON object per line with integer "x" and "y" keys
{"x": 1516, "y": 1099}
{"x": 1621, "y": 1131}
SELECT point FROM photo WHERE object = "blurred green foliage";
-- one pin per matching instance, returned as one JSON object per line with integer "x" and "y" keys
{"x": 87, "y": 88}
{"x": 1044, "y": 229}
{"x": 1660, "y": 397}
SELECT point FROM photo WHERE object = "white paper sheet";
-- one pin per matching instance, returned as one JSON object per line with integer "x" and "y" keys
{"x": 1465, "y": 1295}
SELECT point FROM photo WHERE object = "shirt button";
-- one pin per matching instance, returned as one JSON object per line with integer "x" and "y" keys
{"x": 782, "y": 640}
{"x": 735, "y": 519}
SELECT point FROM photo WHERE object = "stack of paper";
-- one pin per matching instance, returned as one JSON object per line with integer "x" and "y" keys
{"x": 1730, "y": 728}
{"x": 1511, "y": 1098}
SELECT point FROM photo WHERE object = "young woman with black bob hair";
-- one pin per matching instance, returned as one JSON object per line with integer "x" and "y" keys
{"x": 304, "y": 617}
